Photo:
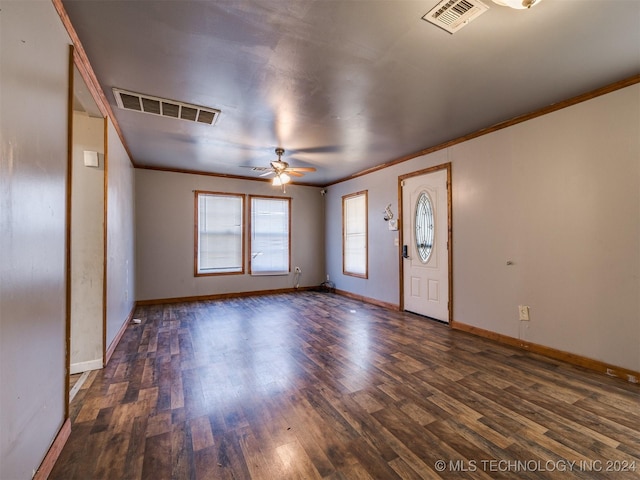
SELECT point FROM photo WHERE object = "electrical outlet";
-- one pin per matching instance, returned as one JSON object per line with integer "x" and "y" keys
{"x": 523, "y": 310}
{"x": 327, "y": 277}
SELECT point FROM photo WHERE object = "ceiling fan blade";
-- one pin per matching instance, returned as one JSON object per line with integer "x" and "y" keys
{"x": 266, "y": 174}
{"x": 301, "y": 169}
{"x": 255, "y": 169}
{"x": 294, "y": 174}
{"x": 319, "y": 149}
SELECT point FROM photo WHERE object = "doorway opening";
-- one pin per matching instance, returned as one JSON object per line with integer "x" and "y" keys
{"x": 85, "y": 235}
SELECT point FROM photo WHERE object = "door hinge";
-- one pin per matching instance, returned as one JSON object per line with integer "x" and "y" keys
{"x": 402, "y": 183}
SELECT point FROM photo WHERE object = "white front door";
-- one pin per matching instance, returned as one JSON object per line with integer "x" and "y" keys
{"x": 425, "y": 250}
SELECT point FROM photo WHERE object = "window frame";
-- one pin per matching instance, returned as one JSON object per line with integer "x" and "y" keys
{"x": 196, "y": 239}
{"x": 345, "y": 199}
{"x": 250, "y": 234}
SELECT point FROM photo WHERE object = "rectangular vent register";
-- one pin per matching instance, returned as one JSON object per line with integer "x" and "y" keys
{"x": 452, "y": 15}
{"x": 164, "y": 107}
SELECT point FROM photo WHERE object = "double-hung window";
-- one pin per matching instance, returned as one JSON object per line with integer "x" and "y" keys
{"x": 219, "y": 233}
{"x": 354, "y": 234}
{"x": 270, "y": 238}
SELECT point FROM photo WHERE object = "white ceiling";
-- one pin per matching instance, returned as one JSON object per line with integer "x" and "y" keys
{"x": 342, "y": 85}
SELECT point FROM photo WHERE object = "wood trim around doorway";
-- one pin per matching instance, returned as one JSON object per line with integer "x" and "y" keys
{"x": 401, "y": 178}
{"x": 67, "y": 315}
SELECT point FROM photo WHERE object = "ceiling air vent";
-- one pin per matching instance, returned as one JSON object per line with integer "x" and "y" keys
{"x": 165, "y": 108}
{"x": 452, "y": 15}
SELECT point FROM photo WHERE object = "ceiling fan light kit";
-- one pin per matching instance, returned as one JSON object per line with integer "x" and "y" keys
{"x": 282, "y": 171}
{"x": 281, "y": 179}
{"x": 517, "y": 4}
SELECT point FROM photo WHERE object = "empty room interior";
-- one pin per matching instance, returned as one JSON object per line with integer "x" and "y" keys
{"x": 319, "y": 239}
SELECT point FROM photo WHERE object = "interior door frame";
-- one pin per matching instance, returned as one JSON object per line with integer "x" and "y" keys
{"x": 401, "y": 178}
{"x": 79, "y": 62}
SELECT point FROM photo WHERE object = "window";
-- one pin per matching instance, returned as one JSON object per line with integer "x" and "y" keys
{"x": 424, "y": 226}
{"x": 219, "y": 233}
{"x": 270, "y": 236}
{"x": 354, "y": 234}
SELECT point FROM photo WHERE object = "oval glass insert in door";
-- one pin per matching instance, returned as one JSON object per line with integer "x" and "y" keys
{"x": 424, "y": 226}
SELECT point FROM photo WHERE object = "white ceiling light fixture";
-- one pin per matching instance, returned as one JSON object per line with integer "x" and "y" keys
{"x": 281, "y": 179}
{"x": 517, "y": 4}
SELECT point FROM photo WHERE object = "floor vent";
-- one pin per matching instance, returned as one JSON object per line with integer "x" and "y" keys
{"x": 452, "y": 15}
{"x": 164, "y": 107}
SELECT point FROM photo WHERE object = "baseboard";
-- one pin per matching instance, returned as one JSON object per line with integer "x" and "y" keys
{"x": 572, "y": 358}
{"x": 118, "y": 336}
{"x": 54, "y": 451}
{"x": 220, "y": 296}
{"x": 372, "y": 301}
{"x": 85, "y": 366}
{"x": 78, "y": 385}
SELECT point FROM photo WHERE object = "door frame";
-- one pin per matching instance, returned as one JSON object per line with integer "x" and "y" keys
{"x": 79, "y": 63}
{"x": 401, "y": 178}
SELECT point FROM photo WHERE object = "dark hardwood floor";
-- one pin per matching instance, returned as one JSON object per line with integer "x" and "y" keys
{"x": 315, "y": 385}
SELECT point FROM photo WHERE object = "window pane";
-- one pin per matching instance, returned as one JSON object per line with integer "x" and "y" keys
{"x": 355, "y": 234}
{"x": 269, "y": 235}
{"x": 219, "y": 233}
{"x": 424, "y": 227}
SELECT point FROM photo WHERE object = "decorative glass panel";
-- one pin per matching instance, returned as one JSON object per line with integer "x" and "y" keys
{"x": 424, "y": 227}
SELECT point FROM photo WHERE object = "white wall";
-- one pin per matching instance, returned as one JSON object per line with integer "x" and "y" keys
{"x": 559, "y": 196}
{"x": 34, "y": 80}
{"x": 87, "y": 245}
{"x": 165, "y": 236}
{"x": 120, "y": 235}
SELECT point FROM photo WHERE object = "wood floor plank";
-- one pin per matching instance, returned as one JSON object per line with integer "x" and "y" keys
{"x": 201, "y": 434}
{"x": 612, "y": 429}
{"x": 366, "y": 425}
{"x": 296, "y": 461}
{"x": 181, "y": 452}
{"x": 313, "y": 385}
{"x": 133, "y": 461}
{"x": 314, "y": 436}
{"x": 403, "y": 470}
{"x": 262, "y": 464}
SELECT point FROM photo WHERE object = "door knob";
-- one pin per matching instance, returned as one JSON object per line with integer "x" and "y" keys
{"x": 405, "y": 251}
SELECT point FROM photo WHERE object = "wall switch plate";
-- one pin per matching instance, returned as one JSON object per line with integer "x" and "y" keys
{"x": 524, "y": 313}
{"x": 91, "y": 159}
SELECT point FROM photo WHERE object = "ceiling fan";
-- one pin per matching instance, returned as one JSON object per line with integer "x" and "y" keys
{"x": 282, "y": 171}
